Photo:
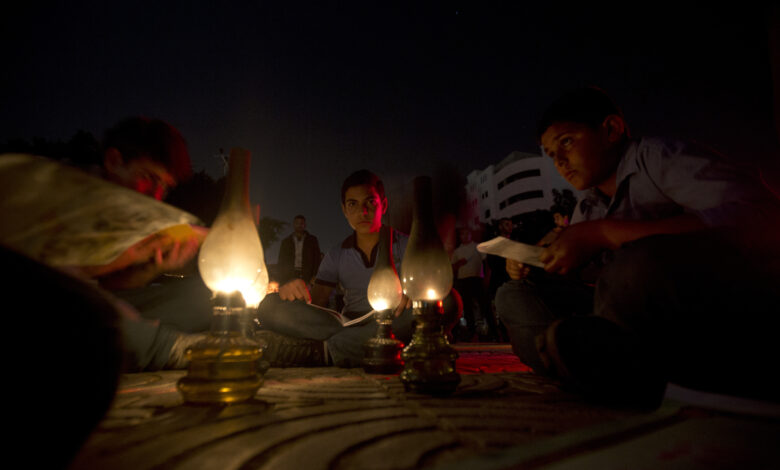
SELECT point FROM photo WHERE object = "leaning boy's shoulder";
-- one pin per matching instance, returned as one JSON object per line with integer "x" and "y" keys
{"x": 660, "y": 158}
{"x": 658, "y": 148}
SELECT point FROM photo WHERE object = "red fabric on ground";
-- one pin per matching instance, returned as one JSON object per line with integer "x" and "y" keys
{"x": 487, "y": 358}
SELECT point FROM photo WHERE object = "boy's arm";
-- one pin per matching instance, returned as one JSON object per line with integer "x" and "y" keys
{"x": 325, "y": 281}
{"x": 139, "y": 275}
{"x": 320, "y": 294}
{"x": 146, "y": 260}
{"x": 297, "y": 290}
{"x": 578, "y": 243}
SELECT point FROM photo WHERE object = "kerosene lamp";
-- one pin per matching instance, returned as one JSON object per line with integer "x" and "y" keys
{"x": 426, "y": 274}
{"x": 383, "y": 352}
{"x": 224, "y": 367}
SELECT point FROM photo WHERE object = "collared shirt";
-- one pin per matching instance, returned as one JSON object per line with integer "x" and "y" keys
{"x": 346, "y": 266}
{"x": 298, "y": 251}
{"x": 658, "y": 179}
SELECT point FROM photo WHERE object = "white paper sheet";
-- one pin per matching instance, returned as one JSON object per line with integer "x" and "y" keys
{"x": 501, "y": 246}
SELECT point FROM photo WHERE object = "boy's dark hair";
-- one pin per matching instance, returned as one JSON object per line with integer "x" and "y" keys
{"x": 362, "y": 177}
{"x": 299, "y": 216}
{"x": 136, "y": 137}
{"x": 589, "y": 106}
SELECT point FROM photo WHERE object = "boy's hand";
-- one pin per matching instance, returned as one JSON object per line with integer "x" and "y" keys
{"x": 575, "y": 245}
{"x": 176, "y": 256}
{"x": 165, "y": 252}
{"x": 295, "y": 290}
{"x": 516, "y": 269}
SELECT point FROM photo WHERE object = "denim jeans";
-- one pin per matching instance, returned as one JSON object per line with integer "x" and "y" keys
{"x": 527, "y": 307}
{"x": 697, "y": 304}
{"x": 166, "y": 310}
{"x": 345, "y": 344}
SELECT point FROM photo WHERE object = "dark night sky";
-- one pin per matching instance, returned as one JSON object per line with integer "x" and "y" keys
{"x": 316, "y": 92}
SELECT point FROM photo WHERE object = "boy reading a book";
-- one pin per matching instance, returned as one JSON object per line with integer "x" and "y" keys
{"x": 670, "y": 231}
{"x": 348, "y": 265}
{"x": 150, "y": 156}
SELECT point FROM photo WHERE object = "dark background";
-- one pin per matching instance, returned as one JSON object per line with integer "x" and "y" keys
{"x": 317, "y": 91}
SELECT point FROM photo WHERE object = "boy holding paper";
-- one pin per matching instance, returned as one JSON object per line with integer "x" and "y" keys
{"x": 657, "y": 278}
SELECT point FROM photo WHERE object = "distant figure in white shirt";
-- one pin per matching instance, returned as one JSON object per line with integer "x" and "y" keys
{"x": 467, "y": 263}
{"x": 299, "y": 254}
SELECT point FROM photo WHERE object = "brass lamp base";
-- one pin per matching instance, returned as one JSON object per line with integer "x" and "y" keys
{"x": 383, "y": 356}
{"x": 382, "y": 353}
{"x": 223, "y": 369}
{"x": 429, "y": 360}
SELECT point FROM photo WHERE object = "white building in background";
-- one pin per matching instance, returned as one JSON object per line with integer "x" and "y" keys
{"x": 520, "y": 183}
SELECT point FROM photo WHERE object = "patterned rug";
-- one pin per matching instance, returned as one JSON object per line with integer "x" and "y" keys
{"x": 487, "y": 358}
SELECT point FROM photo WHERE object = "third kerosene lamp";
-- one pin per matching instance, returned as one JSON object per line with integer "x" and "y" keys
{"x": 426, "y": 274}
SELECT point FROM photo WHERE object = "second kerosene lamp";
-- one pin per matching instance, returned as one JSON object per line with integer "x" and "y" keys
{"x": 383, "y": 352}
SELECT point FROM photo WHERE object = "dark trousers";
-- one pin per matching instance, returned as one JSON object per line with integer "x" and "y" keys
{"x": 472, "y": 289}
{"x": 692, "y": 301}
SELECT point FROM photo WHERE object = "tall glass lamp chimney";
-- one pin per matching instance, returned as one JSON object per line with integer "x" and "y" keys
{"x": 383, "y": 352}
{"x": 224, "y": 366}
{"x": 426, "y": 275}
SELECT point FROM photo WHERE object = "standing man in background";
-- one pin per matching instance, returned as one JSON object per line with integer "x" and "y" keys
{"x": 299, "y": 254}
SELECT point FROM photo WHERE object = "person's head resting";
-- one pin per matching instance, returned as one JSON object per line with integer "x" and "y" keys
{"x": 146, "y": 155}
{"x": 299, "y": 224}
{"x": 584, "y": 132}
{"x": 363, "y": 201}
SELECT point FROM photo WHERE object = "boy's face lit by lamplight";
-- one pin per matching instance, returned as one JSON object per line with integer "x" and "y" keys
{"x": 363, "y": 208}
{"x": 140, "y": 174}
{"x": 583, "y": 155}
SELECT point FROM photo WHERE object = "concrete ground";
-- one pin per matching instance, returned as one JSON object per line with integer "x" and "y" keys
{"x": 501, "y": 416}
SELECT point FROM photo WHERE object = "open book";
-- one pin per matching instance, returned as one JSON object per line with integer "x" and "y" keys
{"x": 522, "y": 252}
{"x": 343, "y": 319}
{"x": 62, "y": 216}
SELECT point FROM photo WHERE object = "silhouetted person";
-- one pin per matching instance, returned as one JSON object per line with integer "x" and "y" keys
{"x": 468, "y": 264}
{"x": 299, "y": 254}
